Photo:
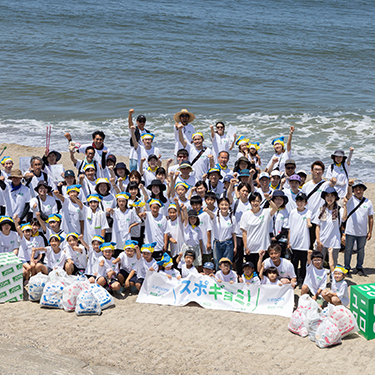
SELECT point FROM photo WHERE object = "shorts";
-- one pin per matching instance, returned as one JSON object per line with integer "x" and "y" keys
{"x": 139, "y": 280}
{"x": 49, "y": 269}
{"x": 78, "y": 271}
{"x": 207, "y": 258}
{"x": 125, "y": 274}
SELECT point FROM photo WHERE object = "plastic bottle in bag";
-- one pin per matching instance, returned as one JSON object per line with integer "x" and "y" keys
{"x": 87, "y": 304}
{"x": 104, "y": 298}
{"x": 52, "y": 295}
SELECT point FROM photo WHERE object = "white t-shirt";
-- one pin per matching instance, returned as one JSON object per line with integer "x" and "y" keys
{"x": 98, "y": 153}
{"x": 16, "y": 200}
{"x": 107, "y": 267}
{"x": 329, "y": 230}
{"x": 25, "y": 247}
{"x": 220, "y": 143}
{"x": 205, "y": 223}
{"x": 92, "y": 267}
{"x": 315, "y": 201}
{"x": 143, "y": 266}
{"x": 255, "y": 280}
{"x": 341, "y": 289}
{"x": 279, "y": 221}
{"x": 260, "y": 191}
{"x": 202, "y": 165}
{"x": 172, "y": 272}
{"x": 241, "y": 208}
{"x": 121, "y": 223}
{"x": 267, "y": 281}
{"x": 48, "y": 207}
{"x": 79, "y": 259}
{"x": 315, "y": 278}
{"x": 291, "y": 199}
{"x": 34, "y": 183}
{"x": 128, "y": 263}
{"x": 224, "y": 227}
{"x": 187, "y": 132}
{"x": 218, "y": 190}
{"x": 192, "y": 236}
{"x": 285, "y": 268}
{"x": 133, "y": 151}
{"x": 142, "y": 152}
{"x": 299, "y": 232}
{"x": 71, "y": 215}
{"x": 53, "y": 260}
{"x": 341, "y": 185}
{"x": 185, "y": 272}
{"x": 282, "y": 158}
{"x": 155, "y": 228}
{"x": 257, "y": 227}
{"x": 8, "y": 243}
{"x": 357, "y": 224}
{"x": 94, "y": 223}
{"x": 174, "y": 231}
{"x": 232, "y": 276}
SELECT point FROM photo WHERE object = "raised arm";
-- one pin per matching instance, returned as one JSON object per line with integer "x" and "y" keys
{"x": 17, "y": 225}
{"x": 41, "y": 222}
{"x": 144, "y": 192}
{"x": 260, "y": 260}
{"x": 350, "y": 190}
{"x": 212, "y": 132}
{"x": 210, "y": 213}
{"x": 134, "y": 138}
{"x": 272, "y": 204}
{"x": 309, "y": 254}
{"x": 289, "y": 143}
{"x": 130, "y": 118}
{"x": 58, "y": 195}
{"x": 77, "y": 201}
{"x": 180, "y": 135}
{"x": 351, "y": 150}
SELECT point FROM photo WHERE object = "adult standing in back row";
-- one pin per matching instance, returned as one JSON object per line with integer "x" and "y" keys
{"x": 183, "y": 117}
{"x": 139, "y": 131}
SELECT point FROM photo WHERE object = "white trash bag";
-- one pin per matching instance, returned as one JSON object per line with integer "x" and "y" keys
{"x": 87, "y": 304}
{"x": 57, "y": 274}
{"x": 52, "y": 295}
{"x": 312, "y": 322}
{"x": 344, "y": 319}
{"x": 297, "y": 323}
{"x": 36, "y": 286}
{"x": 104, "y": 298}
{"x": 306, "y": 301}
{"x": 327, "y": 334}
{"x": 71, "y": 292}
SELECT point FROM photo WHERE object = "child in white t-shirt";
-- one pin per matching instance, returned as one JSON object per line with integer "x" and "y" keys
{"x": 225, "y": 273}
{"x": 316, "y": 277}
{"x": 76, "y": 254}
{"x": 338, "y": 295}
{"x": 174, "y": 230}
{"x": 166, "y": 263}
{"x": 128, "y": 260}
{"x": 186, "y": 265}
{"x": 108, "y": 270}
{"x": 55, "y": 255}
{"x": 270, "y": 276}
{"x": 299, "y": 236}
{"x": 8, "y": 235}
{"x": 146, "y": 263}
{"x": 208, "y": 269}
{"x": 249, "y": 275}
{"x": 94, "y": 253}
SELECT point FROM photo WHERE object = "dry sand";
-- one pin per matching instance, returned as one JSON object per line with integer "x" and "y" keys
{"x": 150, "y": 339}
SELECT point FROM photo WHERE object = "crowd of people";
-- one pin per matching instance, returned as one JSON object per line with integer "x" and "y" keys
{"x": 259, "y": 223}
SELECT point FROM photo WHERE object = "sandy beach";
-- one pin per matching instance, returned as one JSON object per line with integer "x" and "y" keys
{"x": 151, "y": 339}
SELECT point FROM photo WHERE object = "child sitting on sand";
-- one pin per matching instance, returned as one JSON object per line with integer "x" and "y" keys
{"x": 338, "y": 295}
{"x": 94, "y": 253}
{"x": 166, "y": 263}
{"x": 107, "y": 269}
{"x": 316, "y": 278}
{"x": 76, "y": 254}
{"x": 146, "y": 263}
{"x": 225, "y": 273}
{"x": 249, "y": 275}
{"x": 186, "y": 265}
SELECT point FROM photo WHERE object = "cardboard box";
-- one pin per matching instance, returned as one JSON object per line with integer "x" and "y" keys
{"x": 11, "y": 279}
{"x": 362, "y": 305}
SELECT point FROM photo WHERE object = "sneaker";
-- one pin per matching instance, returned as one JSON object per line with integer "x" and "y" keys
{"x": 355, "y": 271}
{"x": 361, "y": 273}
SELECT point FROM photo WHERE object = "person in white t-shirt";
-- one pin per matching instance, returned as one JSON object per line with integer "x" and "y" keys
{"x": 269, "y": 276}
{"x": 328, "y": 222}
{"x": 359, "y": 225}
{"x": 174, "y": 230}
{"x": 284, "y": 267}
{"x": 292, "y": 191}
{"x": 94, "y": 253}
{"x": 108, "y": 269}
{"x": 224, "y": 231}
{"x": 298, "y": 237}
{"x": 255, "y": 225}
{"x": 281, "y": 155}
{"x": 8, "y": 235}
{"x": 167, "y": 269}
{"x": 186, "y": 264}
{"x": 146, "y": 263}
{"x": 184, "y": 117}
{"x": 338, "y": 295}
{"x": 225, "y": 273}
{"x": 249, "y": 275}
{"x": 220, "y": 141}
{"x": 316, "y": 277}
{"x": 76, "y": 254}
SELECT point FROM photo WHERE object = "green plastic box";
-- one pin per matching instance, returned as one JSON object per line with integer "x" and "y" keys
{"x": 362, "y": 305}
{"x": 11, "y": 279}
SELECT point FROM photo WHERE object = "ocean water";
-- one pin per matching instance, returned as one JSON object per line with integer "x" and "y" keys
{"x": 259, "y": 66}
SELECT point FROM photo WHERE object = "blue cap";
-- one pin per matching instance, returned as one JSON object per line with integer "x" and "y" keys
{"x": 244, "y": 173}
{"x": 209, "y": 265}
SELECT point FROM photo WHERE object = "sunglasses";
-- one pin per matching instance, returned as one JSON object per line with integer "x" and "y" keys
{"x": 219, "y": 127}
{"x": 184, "y": 116}
{"x": 141, "y": 120}
{"x": 292, "y": 167}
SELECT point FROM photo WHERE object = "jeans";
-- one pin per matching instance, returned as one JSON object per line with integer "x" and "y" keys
{"x": 349, "y": 243}
{"x": 223, "y": 249}
{"x": 133, "y": 164}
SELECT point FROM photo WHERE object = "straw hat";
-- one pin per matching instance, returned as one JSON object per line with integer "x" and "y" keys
{"x": 176, "y": 117}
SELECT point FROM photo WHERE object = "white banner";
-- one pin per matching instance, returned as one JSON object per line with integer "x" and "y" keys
{"x": 255, "y": 299}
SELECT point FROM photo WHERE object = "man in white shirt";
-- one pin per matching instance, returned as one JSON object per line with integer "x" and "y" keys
{"x": 201, "y": 158}
{"x": 359, "y": 224}
{"x": 184, "y": 117}
{"x": 313, "y": 190}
